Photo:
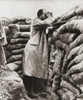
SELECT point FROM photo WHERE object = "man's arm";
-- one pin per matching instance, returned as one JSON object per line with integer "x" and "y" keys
{"x": 42, "y": 24}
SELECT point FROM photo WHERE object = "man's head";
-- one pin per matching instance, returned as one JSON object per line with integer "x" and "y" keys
{"x": 42, "y": 14}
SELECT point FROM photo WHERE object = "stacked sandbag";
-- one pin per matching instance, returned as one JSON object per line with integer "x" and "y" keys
{"x": 5, "y": 21}
{"x": 17, "y": 38}
{"x": 17, "y": 31}
{"x": 73, "y": 14}
{"x": 21, "y": 20}
{"x": 15, "y": 20}
{"x": 69, "y": 66}
{"x": 67, "y": 71}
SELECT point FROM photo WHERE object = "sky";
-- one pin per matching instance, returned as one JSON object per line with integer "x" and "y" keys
{"x": 29, "y": 8}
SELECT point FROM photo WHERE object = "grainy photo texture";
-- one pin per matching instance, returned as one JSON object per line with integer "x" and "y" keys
{"x": 41, "y": 49}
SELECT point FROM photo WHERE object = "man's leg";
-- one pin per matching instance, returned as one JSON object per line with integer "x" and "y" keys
{"x": 29, "y": 85}
{"x": 39, "y": 85}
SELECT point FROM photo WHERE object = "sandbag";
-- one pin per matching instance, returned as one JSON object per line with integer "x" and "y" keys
{"x": 69, "y": 93}
{"x": 15, "y": 46}
{"x": 14, "y": 58}
{"x": 21, "y": 23}
{"x": 69, "y": 79}
{"x": 77, "y": 41}
{"x": 74, "y": 51}
{"x": 18, "y": 51}
{"x": 13, "y": 28}
{"x": 63, "y": 95}
{"x": 75, "y": 61}
{"x": 24, "y": 28}
{"x": 6, "y": 21}
{"x": 72, "y": 26}
{"x": 73, "y": 18}
{"x": 8, "y": 54}
{"x": 64, "y": 62}
{"x": 67, "y": 85}
{"x": 58, "y": 61}
{"x": 78, "y": 78}
{"x": 19, "y": 62}
{"x": 76, "y": 18}
{"x": 80, "y": 50}
{"x": 22, "y": 34}
{"x": 80, "y": 16}
{"x": 18, "y": 19}
{"x": 9, "y": 38}
{"x": 18, "y": 40}
{"x": 67, "y": 37}
{"x": 75, "y": 69}
{"x": 13, "y": 66}
{"x": 28, "y": 20}
{"x": 62, "y": 45}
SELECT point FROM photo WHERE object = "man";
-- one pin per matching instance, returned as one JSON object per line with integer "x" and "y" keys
{"x": 35, "y": 59}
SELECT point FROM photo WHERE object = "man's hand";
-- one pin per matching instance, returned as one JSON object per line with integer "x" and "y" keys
{"x": 48, "y": 28}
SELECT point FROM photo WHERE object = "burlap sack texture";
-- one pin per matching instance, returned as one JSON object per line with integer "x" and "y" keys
{"x": 68, "y": 54}
{"x": 18, "y": 34}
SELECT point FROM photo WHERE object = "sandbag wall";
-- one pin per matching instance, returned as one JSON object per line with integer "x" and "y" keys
{"x": 67, "y": 71}
{"x": 18, "y": 34}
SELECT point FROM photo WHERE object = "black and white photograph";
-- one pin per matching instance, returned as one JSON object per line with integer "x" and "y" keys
{"x": 41, "y": 49}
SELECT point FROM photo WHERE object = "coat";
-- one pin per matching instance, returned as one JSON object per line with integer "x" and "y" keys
{"x": 35, "y": 58}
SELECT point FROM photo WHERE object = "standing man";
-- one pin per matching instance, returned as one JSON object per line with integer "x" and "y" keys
{"x": 35, "y": 58}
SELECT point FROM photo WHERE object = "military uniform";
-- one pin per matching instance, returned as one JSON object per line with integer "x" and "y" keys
{"x": 35, "y": 58}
